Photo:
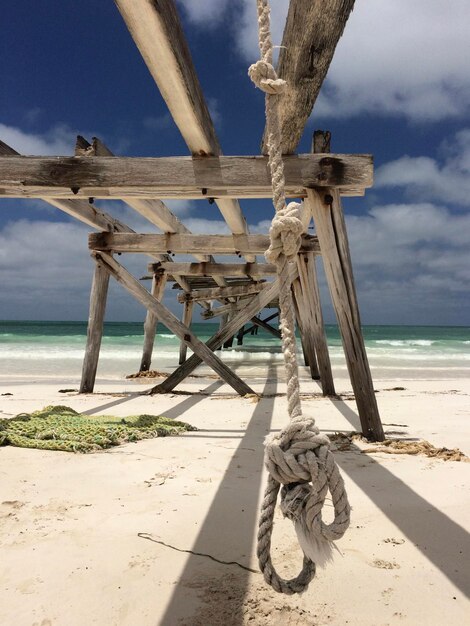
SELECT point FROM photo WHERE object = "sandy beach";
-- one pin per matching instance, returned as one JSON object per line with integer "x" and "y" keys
{"x": 163, "y": 531}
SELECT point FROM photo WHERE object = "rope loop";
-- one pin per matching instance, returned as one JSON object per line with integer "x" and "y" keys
{"x": 265, "y": 78}
{"x": 285, "y": 233}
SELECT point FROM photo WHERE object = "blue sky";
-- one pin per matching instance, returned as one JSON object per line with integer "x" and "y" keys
{"x": 399, "y": 88}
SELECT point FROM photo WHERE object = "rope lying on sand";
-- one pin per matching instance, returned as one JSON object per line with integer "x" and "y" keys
{"x": 345, "y": 442}
{"x": 298, "y": 457}
{"x": 62, "y": 428}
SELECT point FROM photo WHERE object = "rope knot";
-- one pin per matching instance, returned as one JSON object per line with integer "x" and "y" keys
{"x": 285, "y": 233}
{"x": 264, "y": 76}
{"x": 294, "y": 455}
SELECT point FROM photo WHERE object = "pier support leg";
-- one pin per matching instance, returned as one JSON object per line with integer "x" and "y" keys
{"x": 311, "y": 292}
{"x": 331, "y": 231}
{"x": 150, "y": 325}
{"x": 305, "y": 324}
{"x": 98, "y": 297}
{"x": 187, "y": 318}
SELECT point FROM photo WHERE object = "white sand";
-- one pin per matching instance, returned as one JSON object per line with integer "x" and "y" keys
{"x": 70, "y": 547}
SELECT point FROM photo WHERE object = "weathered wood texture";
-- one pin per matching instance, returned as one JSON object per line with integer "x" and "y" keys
{"x": 171, "y": 322}
{"x": 151, "y": 320}
{"x": 81, "y": 210}
{"x": 218, "y": 293}
{"x": 331, "y": 230}
{"x": 304, "y": 322}
{"x": 256, "y": 304}
{"x": 176, "y": 177}
{"x": 157, "y": 32}
{"x": 187, "y": 318}
{"x": 311, "y": 293}
{"x": 98, "y": 297}
{"x": 247, "y": 331}
{"x": 255, "y": 270}
{"x": 257, "y": 321}
{"x": 224, "y": 310}
{"x": 311, "y": 34}
{"x": 189, "y": 244}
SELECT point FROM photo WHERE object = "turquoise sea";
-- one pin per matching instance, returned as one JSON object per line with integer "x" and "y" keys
{"x": 55, "y": 349}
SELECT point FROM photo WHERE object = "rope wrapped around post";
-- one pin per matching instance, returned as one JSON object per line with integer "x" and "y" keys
{"x": 298, "y": 458}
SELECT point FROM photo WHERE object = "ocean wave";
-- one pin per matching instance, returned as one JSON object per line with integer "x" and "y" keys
{"x": 405, "y": 342}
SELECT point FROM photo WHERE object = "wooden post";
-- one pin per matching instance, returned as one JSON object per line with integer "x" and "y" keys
{"x": 187, "y": 318}
{"x": 331, "y": 230}
{"x": 150, "y": 325}
{"x": 304, "y": 322}
{"x": 311, "y": 292}
{"x": 98, "y": 297}
{"x": 240, "y": 335}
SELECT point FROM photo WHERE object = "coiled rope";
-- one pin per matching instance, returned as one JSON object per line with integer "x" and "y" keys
{"x": 299, "y": 458}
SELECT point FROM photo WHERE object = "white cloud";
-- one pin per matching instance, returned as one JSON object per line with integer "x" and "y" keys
{"x": 59, "y": 140}
{"x": 208, "y": 13}
{"x": 396, "y": 57}
{"x": 425, "y": 178}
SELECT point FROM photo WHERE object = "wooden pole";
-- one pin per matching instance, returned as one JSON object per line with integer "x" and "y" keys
{"x": 150, "y": 325}
{"x": 305, "y": 324}
{"x": 331, "y": 230}
{"x": 187, "y": 318}
{"x": 98, "y": 297}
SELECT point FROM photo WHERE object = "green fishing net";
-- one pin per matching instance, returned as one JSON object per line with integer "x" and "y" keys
{"x": 62, "y": 428}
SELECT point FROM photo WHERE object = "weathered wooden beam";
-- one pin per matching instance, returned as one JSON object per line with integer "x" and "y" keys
{"x": 156, "y": 29}
{"x": 224, "y": 310}
{"x": 311, "y": 34}
{"x": 187, "y": 318}
{"x": 253, "y": 307}
{"x": 98, "y": 297}
{"x": 254, "y": 270}
{"x": 248, "y": 330}
{"x": 265, "y": 326}
{"x": 171, "y": 322}
{"x": 331, "y": 230}
{"x": 217, "y": 293}
{"x": 81, "y": 210}
{"x": 151, "y": 320}
{"x": 189, "y": 244}
{"x": 176, "y": 177}
{"x": 311, "y": 295}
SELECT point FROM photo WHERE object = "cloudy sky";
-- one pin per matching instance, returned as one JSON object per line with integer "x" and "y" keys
{"x": 398, "y": 87}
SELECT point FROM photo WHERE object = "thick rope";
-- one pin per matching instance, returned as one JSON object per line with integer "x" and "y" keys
{"x": 298, "y": 457}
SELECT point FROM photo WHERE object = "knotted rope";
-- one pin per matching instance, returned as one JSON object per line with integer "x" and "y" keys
{"x": 298, "y": 457}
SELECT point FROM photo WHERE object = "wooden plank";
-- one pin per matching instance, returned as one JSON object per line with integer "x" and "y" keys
{"x": 329, "y": 223}
{"x": 176, "y": 177}
{"x": 224, "y": 310}
{"x": 187, "y": 318}
{"x": 254, "y": 270}
{"x": 254, "y": 306}
{"x": 171, "y": 322}
{"x": 304, "y": 323}
{"x": 151, "y": 320}
{"x": 188, "y": 244}
{"x": 81, "y": 210}
{"x": 98, "y": 297}
{"x": 265, "y": 326}
{"x": 218, "y": 293}
{"x": 311, "y": 294}
{"x": 157, "y": 32}
{"x": 311, "y": 34}
{"x": 266, "y": 319}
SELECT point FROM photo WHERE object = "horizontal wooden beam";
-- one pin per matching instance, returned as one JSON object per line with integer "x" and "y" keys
{"x": 219, "y": 293}
{"x": 176, "y": 177}
{"x": 189, "y": 244}
{"x": 208, "y": 269}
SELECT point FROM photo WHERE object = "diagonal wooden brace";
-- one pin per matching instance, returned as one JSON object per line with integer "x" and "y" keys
{"x": 256, "y": 304}
{"x": 171, "y": 322}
